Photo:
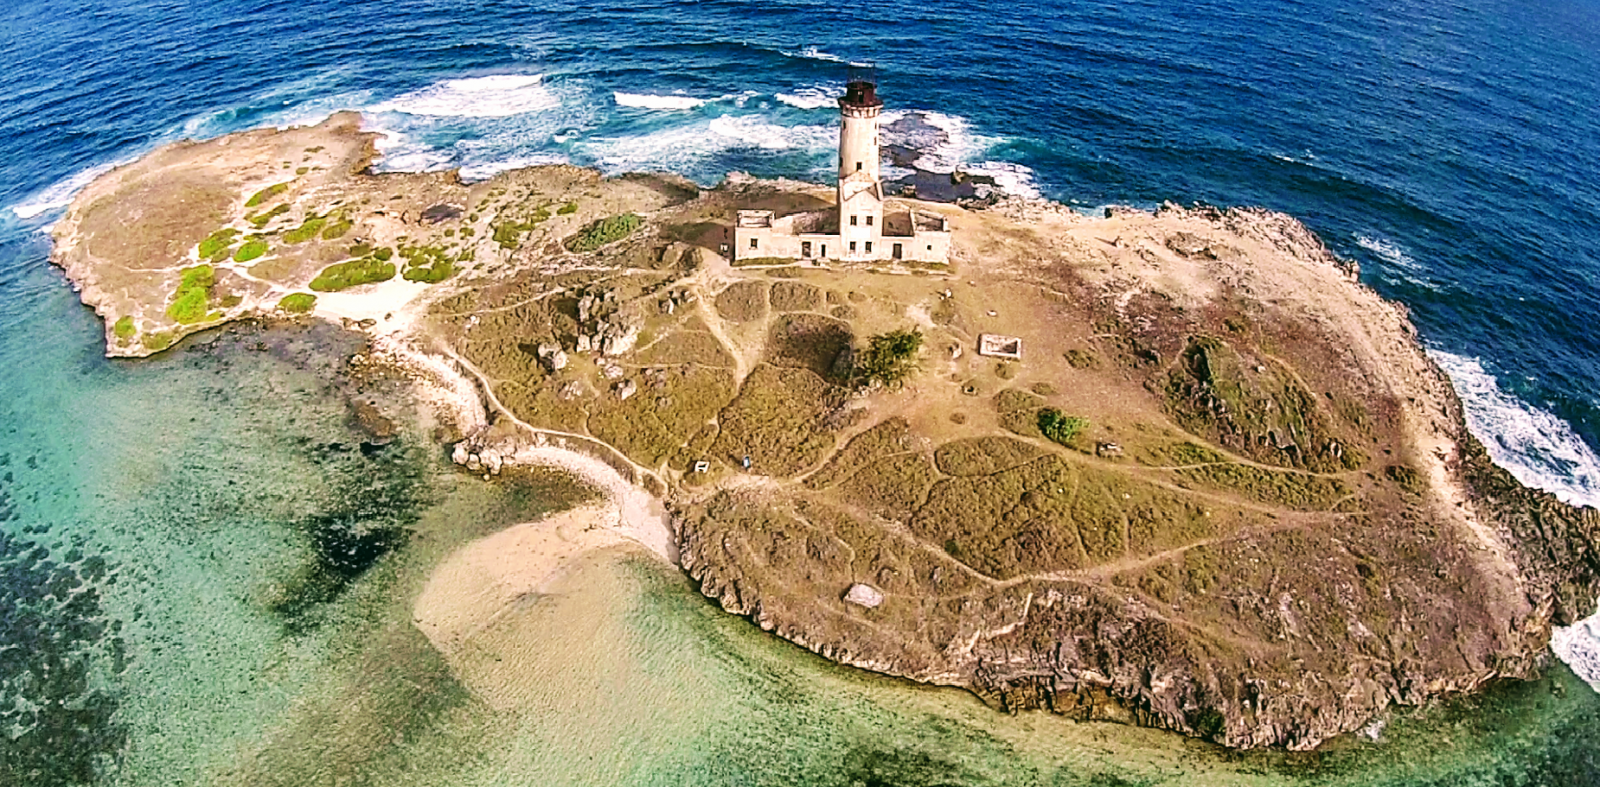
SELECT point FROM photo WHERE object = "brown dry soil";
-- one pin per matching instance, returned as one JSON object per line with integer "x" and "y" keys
{"x": 1274, "y": 526}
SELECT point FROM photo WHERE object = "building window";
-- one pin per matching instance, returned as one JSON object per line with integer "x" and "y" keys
{"x": 930, "y": 247}
{"x": 852, "y": 247}
{"x": 869, "y": 247}
{"x": 852, "y": 221}
{"x": 805, "y": 248}
{"x": 858, "y": 166}
{"x": 753, "y": 242}
{"x": 869, "y": 221}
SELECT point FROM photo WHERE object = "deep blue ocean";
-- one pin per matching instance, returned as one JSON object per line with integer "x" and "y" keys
{"x": 1451, "y": 147}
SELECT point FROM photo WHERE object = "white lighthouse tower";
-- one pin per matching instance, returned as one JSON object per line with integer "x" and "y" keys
{"x": 860, "y": 190}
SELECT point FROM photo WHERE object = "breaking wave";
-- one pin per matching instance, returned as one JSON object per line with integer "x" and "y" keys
{"x": 476, "y": 97}
{"x": 1536, "y": 446}
{"x": 1397, "y": 263}
{"x": 813, "y": 53}
{"x": 59, "y": 194}
{"x": 1579, "y": 646}
{"x": 648, "y": 101}
{"x": 815, "y": 97}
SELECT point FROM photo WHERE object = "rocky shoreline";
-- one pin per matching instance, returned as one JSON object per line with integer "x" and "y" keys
{"x": 1270, "y": 526}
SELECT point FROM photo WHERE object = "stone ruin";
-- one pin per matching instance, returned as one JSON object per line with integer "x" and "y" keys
{"x": 996, "y": 346}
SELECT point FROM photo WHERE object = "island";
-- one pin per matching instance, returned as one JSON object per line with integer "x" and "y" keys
{"x": 1175, "y": 468}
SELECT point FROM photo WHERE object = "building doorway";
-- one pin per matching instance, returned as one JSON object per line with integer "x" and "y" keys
{"x": 805, "y": 248}
{"x": 897, "y": 252}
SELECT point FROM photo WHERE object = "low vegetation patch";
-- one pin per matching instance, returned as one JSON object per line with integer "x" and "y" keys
{"x": 795, "y": 296}
{"x": 297, "y": 303}
{"x": 260, "y": 220}
{"x": 509, "y": 233}
{"x": 192, "y": 300}
{"x": 986, "y": 455}
{"x": 158, "y": 341}
{"x": 216, "y": 245}
{"x": 261, "y": 197}
{"x": 567, "y": 209}
{"x": 1019, "y": 411}
{"x": 124, "y": 328}
{"x": 604, "y": 231}
{"x": 252, "y": 249}
{"x": 780, "y": 420}
{"x": 893, "y": 436}
{"x": 344, "y": 275}
{"x": 1279, "y": 487}
{"x": 744, "y": 301}
{"x": 888, "y": 359}
{"x": 307, "y": 230}
{"x": 427, "y": 264}
{"x": 810, "y": 341}
{"x": 337, "y": 228}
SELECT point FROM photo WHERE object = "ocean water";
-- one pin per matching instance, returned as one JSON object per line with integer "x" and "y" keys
{"x": 157, "y": 519}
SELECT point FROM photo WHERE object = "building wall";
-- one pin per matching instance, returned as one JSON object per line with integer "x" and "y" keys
{"x": 926, "y": 247}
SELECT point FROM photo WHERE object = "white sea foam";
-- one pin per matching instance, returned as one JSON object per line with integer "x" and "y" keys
{"x": 648, "y": 101}
{"x": 1397, "y": 263}
{"x": 476, "y": 97}
{"x": 486, "y": 170}
{"x": 1011, "y": 178}
{"x": 59, "y": 194}
{"x": 812, "y": 97}
{"x": 813, "y": 53}
{"x": 1390, "y": 252}
{"x": 1538, "y": 448}
{"x": 685, "y": 147}
{"x": 1579, "y": 647}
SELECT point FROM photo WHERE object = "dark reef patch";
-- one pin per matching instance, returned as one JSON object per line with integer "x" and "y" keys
{"x": 380, "y": 495}
{"x": 57, "y": 727}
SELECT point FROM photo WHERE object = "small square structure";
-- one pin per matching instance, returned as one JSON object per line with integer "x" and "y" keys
{"x": 994, "y": 345}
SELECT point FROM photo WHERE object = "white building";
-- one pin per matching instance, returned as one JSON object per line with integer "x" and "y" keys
{"x": 864, "y": 227}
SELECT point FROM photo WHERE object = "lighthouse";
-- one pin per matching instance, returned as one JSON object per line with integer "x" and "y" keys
{"x": 860, "y": 190}
{"x": 861, "y": 227}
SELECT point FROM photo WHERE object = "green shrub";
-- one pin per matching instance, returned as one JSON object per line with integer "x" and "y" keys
{"x": 337, "y": 229}
{"x": 158, "y": 341}
{"x": 1060, "y": 427}
{"x": 306, "y": 231}
{"x": 252, "y": 249}
{"x": 193, "y": 297}
{"x": 124, "y": 328}
{"x": 427, "y": 264}
{"x": 567, "y": 209}
{"x": 888, "y": 358}
{"x": 217, "y": 243}
{"x": 265, "y": 194}
{"x": 297, "y": 302}
{"x": 260, "y": 219}
{"x": 353, "y": 273}
{"x": 384, "y": 254}
{"x": 604, "y": 231}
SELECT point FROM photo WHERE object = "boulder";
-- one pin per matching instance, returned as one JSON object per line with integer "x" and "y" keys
{"x": 864, "y": 595}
